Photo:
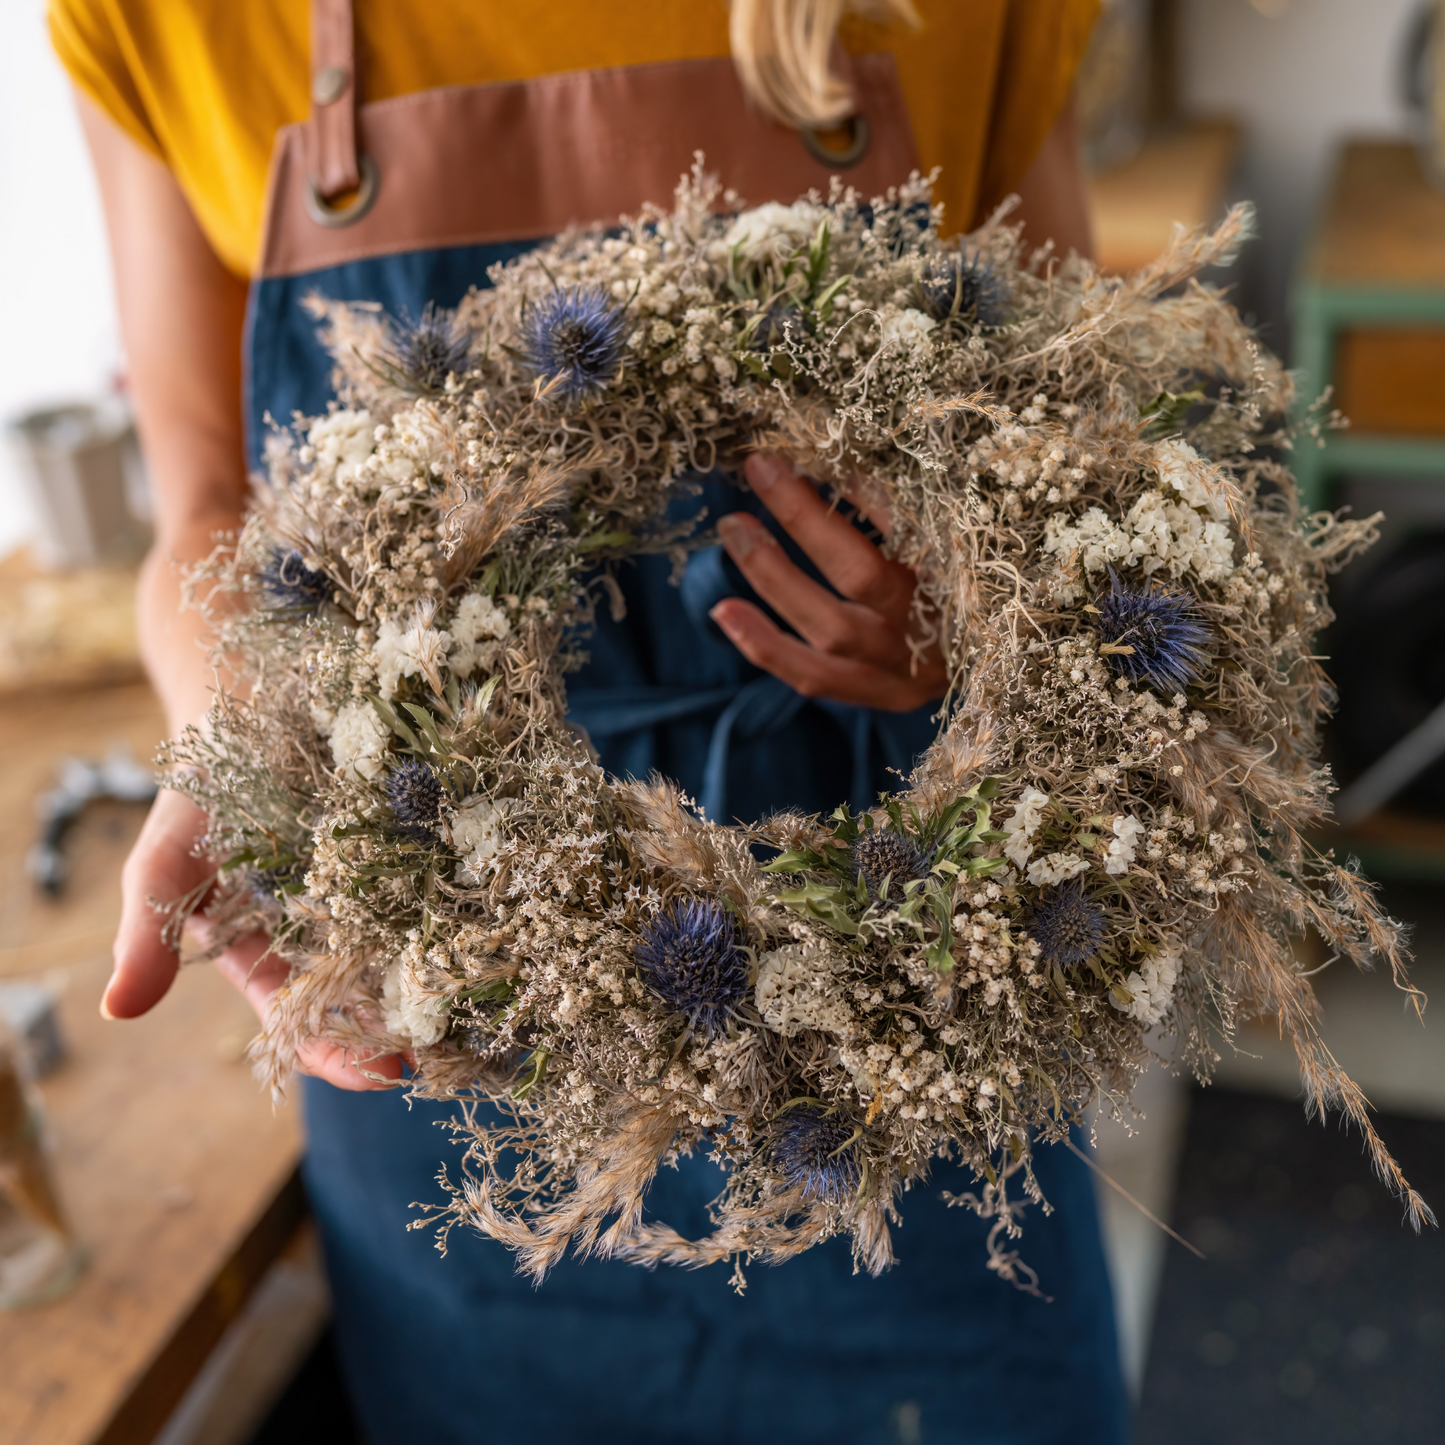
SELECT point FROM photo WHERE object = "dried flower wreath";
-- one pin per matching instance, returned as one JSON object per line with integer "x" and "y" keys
{"x": 1107, "y": 835}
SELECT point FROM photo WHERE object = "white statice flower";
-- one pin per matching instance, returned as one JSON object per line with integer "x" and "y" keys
{"x": 407, "y": 1009}
{"x": 907, "y": 331}
{"x": 359, "y": 739}
{"x": 341, "y": 442}
{"x": 1055, "y": 868}
{"x": 409, "y": 649}
{"x": 1123, "y": 845}
{"x": 1096, "y": 539}
{"x": 476, "y": 837}
{"x": 773, "y": 231}
{"x": 1176, "y": 538}
{"x": 1028, "y": 813}
{"x": 1151, "y": 988}
{"x": 1181, "y": 467}
{"x": 1155, "y": 535}
{"x": 478, "y": 622}
{"x": 796, "y": 990}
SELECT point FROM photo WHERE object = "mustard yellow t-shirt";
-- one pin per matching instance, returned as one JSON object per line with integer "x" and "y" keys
{"x": 205, "y": 84}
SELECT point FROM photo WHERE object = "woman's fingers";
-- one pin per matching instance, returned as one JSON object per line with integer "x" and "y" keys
{"x": 817, "y": 674}
{"x": 256, "y": 973}
{"x": 842, "y": 554}
{"x": 162, "y": 866}
{"x": 826, "y": 621}
{"x": 249, "y": 967}
{"x": 854, "y": 648}
{"x": 345, "y": 1070}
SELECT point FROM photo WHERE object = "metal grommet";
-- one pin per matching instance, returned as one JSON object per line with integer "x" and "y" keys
{"x": 839, "y": 160}
{"x": 335, "y": 217}
{"x": 329, "y": 85}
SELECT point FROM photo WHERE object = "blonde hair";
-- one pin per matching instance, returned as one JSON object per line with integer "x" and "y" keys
{"x": 782, "y": 50}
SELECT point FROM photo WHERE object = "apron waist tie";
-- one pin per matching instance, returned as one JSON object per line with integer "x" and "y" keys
{"x": 746, "y": 711}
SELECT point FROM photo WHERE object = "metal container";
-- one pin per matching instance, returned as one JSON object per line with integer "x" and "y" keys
{"x": 82, "y": 468}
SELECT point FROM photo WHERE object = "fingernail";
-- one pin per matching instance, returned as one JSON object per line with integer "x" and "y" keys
{"x": 719, "y": 615}
{"x": 765, "y": 469}
{"x": 738, "y": 536}
{"x": 105, "y": 1012}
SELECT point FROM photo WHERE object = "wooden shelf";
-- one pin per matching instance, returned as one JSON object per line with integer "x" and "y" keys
{"x": 1181, "y": 175}
{"x": 1369, "y": 320}
{"x": 1383, "y": 224}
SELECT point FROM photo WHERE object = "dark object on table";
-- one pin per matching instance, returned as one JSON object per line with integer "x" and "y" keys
{"x": 29, "y": 1010}
{"x": 1388, "y": 659}
{"x": 119, "y": 778}
{"x": 1318, "y": 1315}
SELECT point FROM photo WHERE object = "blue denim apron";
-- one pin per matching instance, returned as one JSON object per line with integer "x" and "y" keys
{"x": 454, "y": 1350}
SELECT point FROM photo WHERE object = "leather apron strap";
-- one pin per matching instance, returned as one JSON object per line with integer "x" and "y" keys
{"x": 333, "y": 98}
{"x": 333, "y": 165}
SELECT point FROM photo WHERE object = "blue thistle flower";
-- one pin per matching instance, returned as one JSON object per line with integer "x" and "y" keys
{"x": 576, "y": 335}
{"x": 415, "y": 794}
{"x": 818, "y": 1151}
{"x": 898, "y": 231}
{"x": 690, "y": 958}
{"x": 1164, "y": 629}
{"x": 1067, "y": 924}
{"x": 886, "y": 860}
{"x": 776, "y": 325}
{"x": 274, "y": 882}
{"x": 965, "y": 286}
{"x": 427, "y": 351}
{"x": 289, "y": 585}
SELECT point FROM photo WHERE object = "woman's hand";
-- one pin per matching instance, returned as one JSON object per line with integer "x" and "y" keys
{"x": 181, "y": 315}
{"x": 163, "y": 866}
{"x": 854, "y": 649}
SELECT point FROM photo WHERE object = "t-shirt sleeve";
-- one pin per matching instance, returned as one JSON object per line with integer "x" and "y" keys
{"x": 89, "y": 41}
{"x": 1043, "y": 45}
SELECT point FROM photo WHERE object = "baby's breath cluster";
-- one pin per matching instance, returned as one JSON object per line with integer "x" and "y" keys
{"x": 1109, "y": 836}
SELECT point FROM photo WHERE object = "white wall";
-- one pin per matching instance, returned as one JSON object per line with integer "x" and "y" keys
{"x": 1298, "y": 72}
{"x": 58, "y": 336}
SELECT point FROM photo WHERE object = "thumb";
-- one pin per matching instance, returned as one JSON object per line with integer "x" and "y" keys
{"x": 162, "y": 866}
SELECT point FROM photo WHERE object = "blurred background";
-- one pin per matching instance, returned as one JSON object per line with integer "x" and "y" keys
{"x": 190, "y": 1304}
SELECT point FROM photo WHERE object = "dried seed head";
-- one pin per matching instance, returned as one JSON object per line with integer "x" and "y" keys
{"x": 574, "y": 336}
{"x": 415, "y": 794}
{"x": 886, "y": 860}
{"x": 964, "y": 286}
{"x": 1067, "y": 924}
{"x": 689, "y": 957}
{"x": 289, "y": 585}
{"x": 427, "y": 351}
{"x": 1163, "y": 630}
{"x": 818, "y": 1151}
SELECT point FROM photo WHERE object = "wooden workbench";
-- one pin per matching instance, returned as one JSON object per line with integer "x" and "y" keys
{"x": 176, "y": 1170}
